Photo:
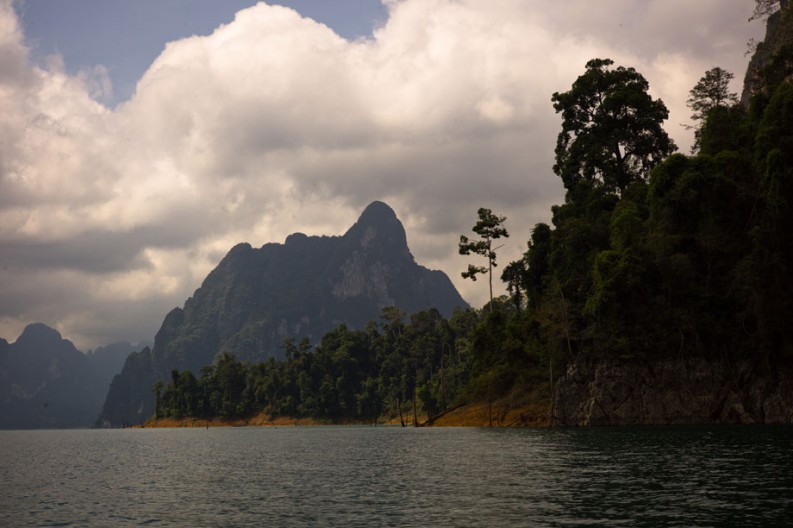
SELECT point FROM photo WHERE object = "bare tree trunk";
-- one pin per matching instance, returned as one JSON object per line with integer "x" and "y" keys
{"x": 443, "y": 387}
{"x": 567, "y": 324}
{"x": 415, "y": 411}
{"x": 399, "y": 408}
{"x": 490, "y": 278}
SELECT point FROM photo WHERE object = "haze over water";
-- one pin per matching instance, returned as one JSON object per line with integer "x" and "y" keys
{"x": 364, "y": 476}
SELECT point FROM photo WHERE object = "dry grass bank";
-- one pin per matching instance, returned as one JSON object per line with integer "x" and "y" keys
{"x": 261, "y": 419}
{"x": 497, "y": 414}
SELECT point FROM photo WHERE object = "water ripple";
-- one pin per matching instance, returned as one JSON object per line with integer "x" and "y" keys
{"x": 372, "y": 477}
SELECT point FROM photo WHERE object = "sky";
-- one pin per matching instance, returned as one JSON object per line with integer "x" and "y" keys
{"x": 140, "y": 141}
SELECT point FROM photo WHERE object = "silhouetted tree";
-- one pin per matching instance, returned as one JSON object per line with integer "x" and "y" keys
{"x": 489, "y": 227}
{"x": 712, "y": 91}
{"x": 611, "y": 128}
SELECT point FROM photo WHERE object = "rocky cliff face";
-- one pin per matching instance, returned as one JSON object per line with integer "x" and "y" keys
{"x": 670, "y": 392}
{"x": 257, "y": 298}
{"x": 771, "y": 61}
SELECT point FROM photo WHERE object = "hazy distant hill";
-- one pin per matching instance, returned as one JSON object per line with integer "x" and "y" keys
{"x": 256, "y": 298}
{"x": 46, "y": 382}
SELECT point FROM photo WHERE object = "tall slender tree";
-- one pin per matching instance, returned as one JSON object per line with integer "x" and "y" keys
{"x": 712, "y": 91}
{"x": 514, "y": 275}
{"x": 489, "y": 227}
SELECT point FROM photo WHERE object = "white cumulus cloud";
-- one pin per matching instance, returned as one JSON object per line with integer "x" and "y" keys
{"x": 274, "y": 124}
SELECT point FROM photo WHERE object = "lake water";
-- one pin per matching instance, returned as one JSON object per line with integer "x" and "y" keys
{"x": 386, "y": 476}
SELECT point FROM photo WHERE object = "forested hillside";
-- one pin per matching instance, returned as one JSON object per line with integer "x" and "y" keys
{"x": 656, "y": 258}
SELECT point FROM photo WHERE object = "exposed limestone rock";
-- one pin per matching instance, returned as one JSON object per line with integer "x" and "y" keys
{"x": 778, "y": 41}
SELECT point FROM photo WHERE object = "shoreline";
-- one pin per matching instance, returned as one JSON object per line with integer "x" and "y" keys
{"x": 469, "y": 415}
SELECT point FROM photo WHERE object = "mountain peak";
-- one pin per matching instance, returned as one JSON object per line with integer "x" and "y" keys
{"x": 377, "y": 212}
{"x": 39, "y": 334}
{"x": 378, "y": 226}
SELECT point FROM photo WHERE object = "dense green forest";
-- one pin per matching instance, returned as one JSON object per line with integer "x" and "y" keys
{"x": 393, "y": 367}
{"x": 653, "y": 255}
{"x": 400, "y": 367}
{"x": 656, "y": 254}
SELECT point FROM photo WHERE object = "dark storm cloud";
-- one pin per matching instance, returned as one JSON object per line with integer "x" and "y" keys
{"x": 95, "y": 251}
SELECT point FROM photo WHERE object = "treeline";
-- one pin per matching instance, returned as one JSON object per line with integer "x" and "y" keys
{"x": 399, "y": 367}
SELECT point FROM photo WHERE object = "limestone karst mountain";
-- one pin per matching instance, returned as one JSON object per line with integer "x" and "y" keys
{"x": 256, "y": 298}
{"x": 45, "y": 382}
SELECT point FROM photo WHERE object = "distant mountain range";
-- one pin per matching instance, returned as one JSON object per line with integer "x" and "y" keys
{"x": 45, "y": 382}
{"x": 256, "y": 298}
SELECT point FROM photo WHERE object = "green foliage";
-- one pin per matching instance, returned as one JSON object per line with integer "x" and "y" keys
{"x": 763, "y": 276}
{"x": 507, "y": 351}
{"x": 726, "y": 129}
{"x": 356, "y": 375}
{"x": 514, "y": 277}
{"x": 611, "y": 128}
{"x": 489, "y": 227}
{"x": 710, "y": 93}
{"x": 684, "y": 256}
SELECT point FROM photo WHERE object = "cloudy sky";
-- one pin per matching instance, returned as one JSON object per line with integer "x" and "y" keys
{"x": 139, "y": 141}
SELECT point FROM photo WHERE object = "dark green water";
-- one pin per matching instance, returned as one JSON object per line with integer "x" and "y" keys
{"x": 363, "y": 476}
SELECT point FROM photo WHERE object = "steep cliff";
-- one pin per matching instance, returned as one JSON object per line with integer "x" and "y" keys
{"x": 771, "y": 60}
{"x": 256, "y": 298}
